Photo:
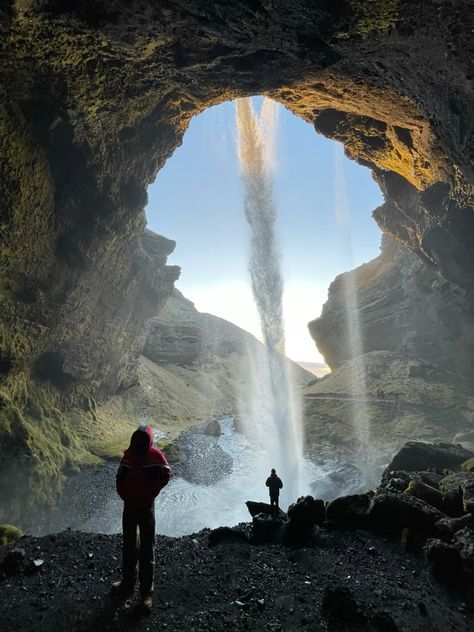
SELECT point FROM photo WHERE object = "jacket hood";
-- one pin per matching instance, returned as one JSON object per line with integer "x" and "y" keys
{"x": 142, "y": 440}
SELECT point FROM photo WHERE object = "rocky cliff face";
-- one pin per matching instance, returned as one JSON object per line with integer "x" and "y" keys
{"x": 404, "y": 306}
{"x": 406, "y": 399}
{"x": 96, "y": 96}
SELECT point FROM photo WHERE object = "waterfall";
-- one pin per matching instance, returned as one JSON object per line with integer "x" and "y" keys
{"x": 358, "y": 386}
{"x": 270, "y": 412}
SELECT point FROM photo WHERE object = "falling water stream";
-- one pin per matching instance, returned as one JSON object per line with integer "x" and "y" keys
{"x": 270, "y": 413}
{"x": 358, "y": 385}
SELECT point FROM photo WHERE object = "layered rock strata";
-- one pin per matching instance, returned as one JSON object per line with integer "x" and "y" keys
{"x": 403, "y": 306}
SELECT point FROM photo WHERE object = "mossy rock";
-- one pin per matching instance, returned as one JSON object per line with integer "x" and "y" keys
{"x": 9, "y": 533}
{"x": 468, "y": 466}
{"x": 170, "y": 449}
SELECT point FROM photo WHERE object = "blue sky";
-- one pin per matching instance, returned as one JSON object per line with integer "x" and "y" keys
{"x": 197, "y": 200}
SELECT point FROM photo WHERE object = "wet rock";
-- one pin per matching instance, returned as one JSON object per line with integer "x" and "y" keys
{"x": 394, "y": 511}
{"x": 350, "y": 511}
{"x": 226, "y": 534}
{"x": 416, "y": 456}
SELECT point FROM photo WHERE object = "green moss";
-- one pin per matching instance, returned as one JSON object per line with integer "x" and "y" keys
{"x": 368, "y": 17}
{"x": 170, "y": 449}
{"x": 468, "y": 466}
{"x": 9, "y": 533}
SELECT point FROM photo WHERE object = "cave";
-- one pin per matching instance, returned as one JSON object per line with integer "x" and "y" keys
{"x": 97, "y": 96}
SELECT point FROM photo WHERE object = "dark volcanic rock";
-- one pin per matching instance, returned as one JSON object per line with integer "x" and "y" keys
{"x": 394, "y": 511}
{"x": 416, "y": 456}
{"x": 350, "y": 511}
{"x": 261, "y": 508}
{"x": 266, "y": 528}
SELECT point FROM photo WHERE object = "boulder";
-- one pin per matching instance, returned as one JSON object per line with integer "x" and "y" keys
{"x": 256, "y": 508}
{"x": 266, "y": 528}
{"x": 431, "y": 478}
{"x": 394, "y": 511}
{"x": 350, "y": 511}
{"x": 213, "y": 428}
{"x": 303, "y": 516}
{"x": 398, "y": 480}
{"x": 427, "y": 493}
{"x": 454, "y": 481}
{"x": 415, "y": 456}
{"x": 459, "y": 488}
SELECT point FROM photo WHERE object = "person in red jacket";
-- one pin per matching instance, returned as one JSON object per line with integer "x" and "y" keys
{"x": 142, "y": 474}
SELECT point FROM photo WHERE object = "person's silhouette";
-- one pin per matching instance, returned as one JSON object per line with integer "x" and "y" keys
{"x": 142, "y": 474}
{"x": 274, "y": 484}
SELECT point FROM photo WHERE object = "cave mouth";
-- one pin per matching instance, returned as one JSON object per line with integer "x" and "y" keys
{"x": 197, "y": 200}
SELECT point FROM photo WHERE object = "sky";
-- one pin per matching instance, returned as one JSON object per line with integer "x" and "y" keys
{"x": 197, "y": 200}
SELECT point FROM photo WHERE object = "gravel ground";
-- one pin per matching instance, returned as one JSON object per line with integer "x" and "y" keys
{"x": 231, "y": 586}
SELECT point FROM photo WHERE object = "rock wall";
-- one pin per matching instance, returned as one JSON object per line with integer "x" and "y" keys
{"x": 404, "y": 306}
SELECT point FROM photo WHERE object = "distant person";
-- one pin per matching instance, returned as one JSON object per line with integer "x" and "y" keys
{"x": 142, "y": 474}
{"x": 274, "y": 485}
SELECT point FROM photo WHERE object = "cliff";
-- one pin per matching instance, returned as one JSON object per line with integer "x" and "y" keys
{"x": 403, "y": 306}
{"x": 406, "y": 399}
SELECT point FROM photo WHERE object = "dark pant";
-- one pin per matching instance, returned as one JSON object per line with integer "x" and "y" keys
{"x": 138, "y": 548}
{"x": 274, "y": 505}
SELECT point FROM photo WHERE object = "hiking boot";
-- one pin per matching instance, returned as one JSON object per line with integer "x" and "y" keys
{"x": 121, "y": 589}
{"x": 147, "y": 603}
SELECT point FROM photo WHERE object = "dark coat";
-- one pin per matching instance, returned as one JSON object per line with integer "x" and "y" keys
{"x": 274, "y": 485}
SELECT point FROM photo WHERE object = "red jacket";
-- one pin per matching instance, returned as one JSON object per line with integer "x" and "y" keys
{"x": 142, "y": 473}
